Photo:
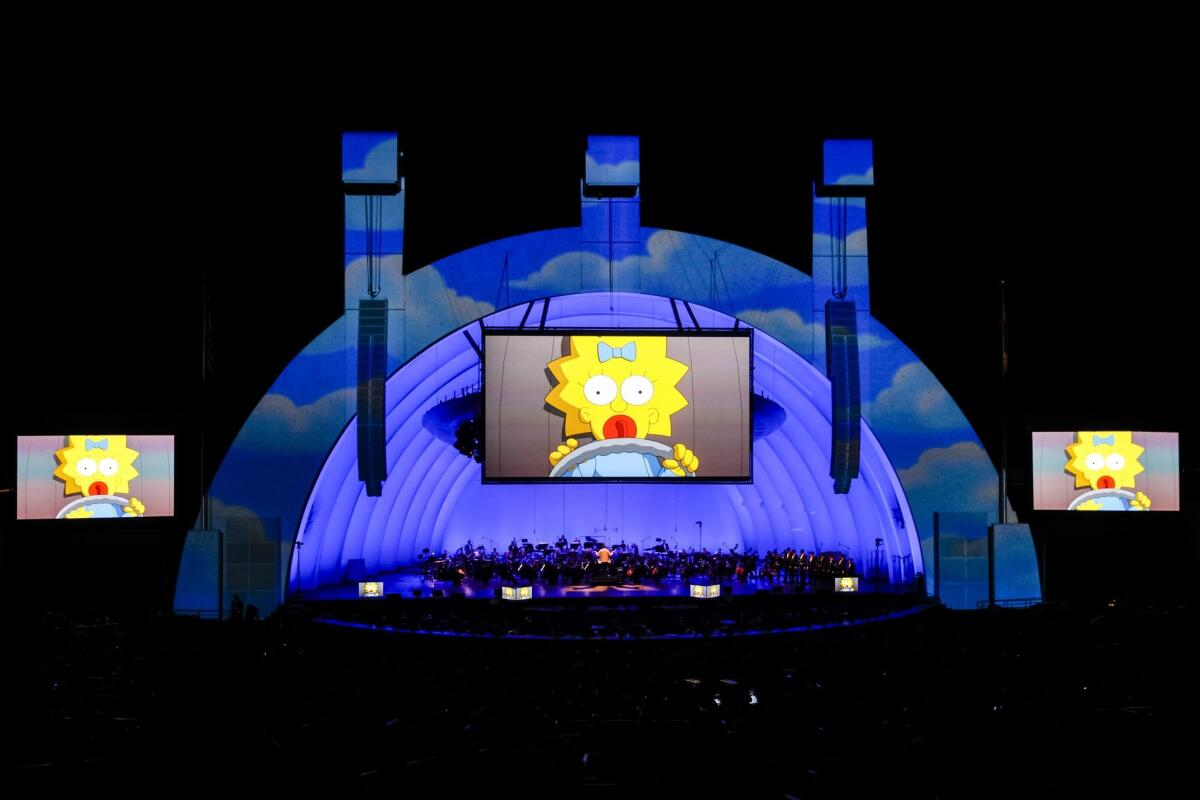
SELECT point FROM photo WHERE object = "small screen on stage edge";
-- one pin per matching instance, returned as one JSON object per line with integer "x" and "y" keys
{"x": 95, "y": 476}
{"x": 1105, "y": 471}
{"x": 598, "y": 405}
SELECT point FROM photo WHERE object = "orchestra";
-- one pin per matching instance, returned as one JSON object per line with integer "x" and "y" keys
{"x": 576, "y": 562}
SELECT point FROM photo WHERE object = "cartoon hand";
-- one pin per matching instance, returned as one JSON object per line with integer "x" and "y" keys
{"x": 685, "y": 461}
{"x": 79, "y": 513}
{"x": 1141, "y": 502}
{"x": 562, "y": 450}
{"x": 135, "y": 508}
{"x": 1088, "y": 505}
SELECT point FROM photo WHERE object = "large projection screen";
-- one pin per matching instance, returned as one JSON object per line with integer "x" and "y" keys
{"x": 95, "y": 476}
{"x": 623, "y": 406}
{"x": 1105, "y": 471}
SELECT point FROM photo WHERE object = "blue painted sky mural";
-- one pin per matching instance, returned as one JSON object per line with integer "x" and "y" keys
{"x": 848, "y": 162}
{"x": 612, "y": 161}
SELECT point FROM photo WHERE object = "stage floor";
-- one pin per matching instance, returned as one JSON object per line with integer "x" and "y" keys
{"x": 414, "y": 605}
{"x": 404, "y": 583}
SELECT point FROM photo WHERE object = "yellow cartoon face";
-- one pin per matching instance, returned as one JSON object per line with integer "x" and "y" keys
{"x": 96, "y": 465}
{"x": 617, "y": 386}
{"x": 1104, "y": 459}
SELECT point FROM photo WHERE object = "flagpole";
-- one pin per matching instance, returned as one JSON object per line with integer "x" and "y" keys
{"x": 1003, "y": 516}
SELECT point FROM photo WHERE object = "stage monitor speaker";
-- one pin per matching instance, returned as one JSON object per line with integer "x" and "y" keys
{"x": 372, "y": 379}
{"x": 514, "y": 592}
{"x": 841, "y": 357}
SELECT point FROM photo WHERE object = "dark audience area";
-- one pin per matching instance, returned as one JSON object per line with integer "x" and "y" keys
{"x": 1050, "y": 701}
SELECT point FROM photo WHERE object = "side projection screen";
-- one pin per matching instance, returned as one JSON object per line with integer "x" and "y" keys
{"x": 95, "y": 476}
{"x": 594, "y": 405}
{"x": 1106, "y": 471}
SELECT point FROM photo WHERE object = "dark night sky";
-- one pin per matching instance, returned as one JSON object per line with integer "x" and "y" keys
{"x": 1074, "y": 198}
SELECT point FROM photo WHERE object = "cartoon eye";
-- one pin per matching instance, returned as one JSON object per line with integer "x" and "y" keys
{"x": 108, "y": 466}
{"x": 1094, "y": 461}
{"x": 86, "y": 467}
{"x": 600, "y": 390}
{"x": 1115, "y": 461}
{"x": 637, "y": 390}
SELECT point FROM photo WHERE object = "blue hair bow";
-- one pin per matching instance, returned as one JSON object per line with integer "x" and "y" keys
{"x": 95, "y": 444}
{"x": 627, "y": 352}
{"x": 1110, "y": 440}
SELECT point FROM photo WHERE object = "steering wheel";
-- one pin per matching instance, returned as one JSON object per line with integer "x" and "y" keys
{"x": 602, "y": 447}
{"x": 1095, "y": 493}
{"x": 92, "y": 500}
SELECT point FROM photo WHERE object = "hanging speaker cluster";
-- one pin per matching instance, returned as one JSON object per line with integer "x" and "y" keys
{"x": 841, "y": 354}
{"x": 372, "y": 378}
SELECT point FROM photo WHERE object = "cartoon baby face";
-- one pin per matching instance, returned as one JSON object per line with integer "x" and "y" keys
{"x": 96, "y": 465}
{"x": 617, "y": 386}
{"x": 1104, "y": 459}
